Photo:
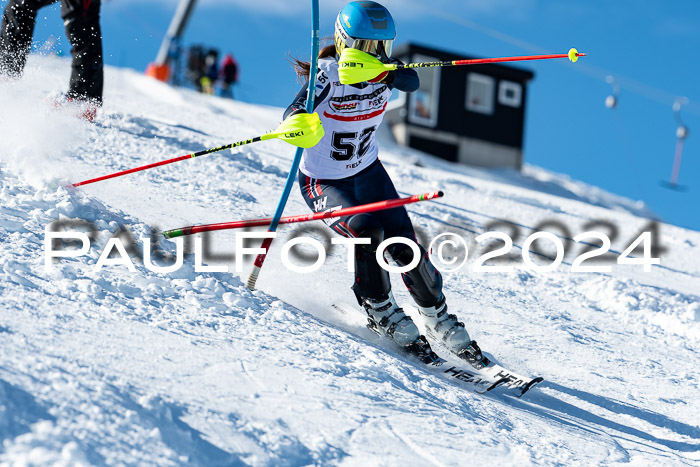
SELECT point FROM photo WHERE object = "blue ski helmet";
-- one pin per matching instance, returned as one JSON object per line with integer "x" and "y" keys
{"x": 365, "y": 26}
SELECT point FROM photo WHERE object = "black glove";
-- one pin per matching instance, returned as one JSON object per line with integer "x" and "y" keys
{"x": 389, "y": 79}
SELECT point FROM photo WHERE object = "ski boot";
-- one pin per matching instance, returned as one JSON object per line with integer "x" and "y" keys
{"x": 85, "y": 109}
{"x": 386, "y": 318}
{"x": 446, "y": 327}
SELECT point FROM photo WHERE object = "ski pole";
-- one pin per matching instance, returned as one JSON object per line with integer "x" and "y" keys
{"x": 371, "y": 207}
{"x": 302, "y": 130}
{"x": 310, "y": 97}
{"x": 356, "y": 66}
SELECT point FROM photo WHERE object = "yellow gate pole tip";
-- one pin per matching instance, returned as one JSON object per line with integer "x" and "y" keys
{"x": 573, "y": 54}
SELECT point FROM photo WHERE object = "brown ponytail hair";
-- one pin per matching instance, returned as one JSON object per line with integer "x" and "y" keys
{"x": 303, "y": 68}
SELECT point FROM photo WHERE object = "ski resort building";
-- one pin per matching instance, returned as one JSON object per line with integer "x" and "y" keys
{"x": 470, "y": 114}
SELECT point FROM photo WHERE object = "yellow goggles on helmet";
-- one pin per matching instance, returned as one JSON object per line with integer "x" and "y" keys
{"x": 376, "y": 47}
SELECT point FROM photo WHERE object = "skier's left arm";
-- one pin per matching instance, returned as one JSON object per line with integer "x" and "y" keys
{"x": 403, "y": 79}
{"x": 323, "y": 88}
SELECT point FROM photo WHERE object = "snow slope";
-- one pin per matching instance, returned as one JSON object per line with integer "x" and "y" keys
{"x": 119, "y": 367}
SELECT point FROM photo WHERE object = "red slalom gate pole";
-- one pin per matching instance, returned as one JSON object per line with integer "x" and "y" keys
{"x": 356, "y": 66}
{"x": 302, "y": 130}
{"x": 169, "y": 161}
{"x": 371, "y": 207}
{"x": 573, "y": 55}
{"x": 476, "y": 61}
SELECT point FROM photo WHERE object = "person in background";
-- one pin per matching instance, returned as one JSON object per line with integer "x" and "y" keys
{"x": 228, "y": 75}
{"x": 195, "y": 66}
{"x": 82, "y": 22}
{"x": 211, "y": 71}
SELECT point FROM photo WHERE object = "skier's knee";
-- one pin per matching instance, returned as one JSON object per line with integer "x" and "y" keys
{"x": 366, "y": 226}
{"x": 403, "y": 254}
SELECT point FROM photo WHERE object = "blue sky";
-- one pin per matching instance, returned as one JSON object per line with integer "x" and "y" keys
{"x": 650, "y": 47}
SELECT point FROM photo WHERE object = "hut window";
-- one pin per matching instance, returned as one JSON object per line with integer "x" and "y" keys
{"x": 423, "y": 104}
{"x": 510, "y": 93}
{"x": 480, "y": 93}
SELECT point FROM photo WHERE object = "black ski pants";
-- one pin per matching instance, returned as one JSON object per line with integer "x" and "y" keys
{"x": 82, "y": 21}
{"x": 373, "y": 184}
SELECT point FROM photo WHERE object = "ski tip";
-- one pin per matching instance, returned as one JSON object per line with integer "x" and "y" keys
{"x": 531, "y": 384}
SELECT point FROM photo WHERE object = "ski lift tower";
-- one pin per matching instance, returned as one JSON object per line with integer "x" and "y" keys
{"x": 160, "y": 69}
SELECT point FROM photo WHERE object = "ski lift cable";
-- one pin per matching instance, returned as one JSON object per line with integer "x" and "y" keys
{"x": 632, "y": 162}
{"x": 612, "y": 102}
{"x": 637, "y": 87}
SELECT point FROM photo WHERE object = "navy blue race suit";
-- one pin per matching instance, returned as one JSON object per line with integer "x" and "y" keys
{"x": 370, "y": 185}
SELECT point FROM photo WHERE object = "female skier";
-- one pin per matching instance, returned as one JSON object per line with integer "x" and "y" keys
{"x": 343, "y": 170}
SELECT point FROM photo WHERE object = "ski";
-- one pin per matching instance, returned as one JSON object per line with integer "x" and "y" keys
{"x": 493, "y": 386}
{"x": 492, "y": 371}
{"x": 422, "y": 351}
{"x": 533, "y": 382}
{"x": 480, "y": 380}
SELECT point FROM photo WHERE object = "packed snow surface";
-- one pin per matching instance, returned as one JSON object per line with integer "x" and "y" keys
{"x": 117, "y": 367}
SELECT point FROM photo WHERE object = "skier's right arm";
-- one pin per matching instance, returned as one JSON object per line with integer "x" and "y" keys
{"x": 323, "y": 87}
